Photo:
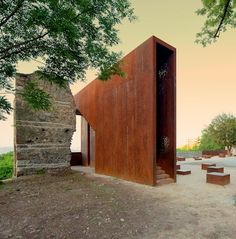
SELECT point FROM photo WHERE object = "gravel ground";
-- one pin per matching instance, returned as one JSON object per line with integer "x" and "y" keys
{"x": 229, "y": 162}
{"x": 79, "y": 205}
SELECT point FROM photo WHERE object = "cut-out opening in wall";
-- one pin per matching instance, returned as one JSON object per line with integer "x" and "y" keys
{"x": 76, "y": 139}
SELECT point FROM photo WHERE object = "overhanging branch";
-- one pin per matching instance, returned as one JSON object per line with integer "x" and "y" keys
{"x": 5, "y": 52}
{"x": 5, "y": 19}
{"x": 222, "y": 19}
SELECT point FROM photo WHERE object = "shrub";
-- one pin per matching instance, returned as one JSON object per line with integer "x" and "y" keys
{"x": 6, "y": 165}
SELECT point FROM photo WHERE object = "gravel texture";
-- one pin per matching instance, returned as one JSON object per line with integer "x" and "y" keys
{"x": 79, "y": 205}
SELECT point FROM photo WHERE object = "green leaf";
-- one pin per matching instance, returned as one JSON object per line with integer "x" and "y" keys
{"x": 35, "y": 97}
{"x": 5, "y": 107}
{"x": 234, "y": 3}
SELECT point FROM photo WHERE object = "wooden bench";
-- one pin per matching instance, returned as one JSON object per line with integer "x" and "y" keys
{"x": 221, "y": 155}
{"x": 206, "y": 165}
{"x": 183, "y": 171}
{"x": 212, "y": 169}
{"x": 177, "y": 166}
{"x": 218, "y": 178}
{"x": 206, "y": 156}
{"x": 197, "y": 158}
{"x": 180, "y": 159}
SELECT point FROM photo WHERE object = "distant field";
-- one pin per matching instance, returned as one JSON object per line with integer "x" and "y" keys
{"x": 4, "y": 150}
{"x": 6, "y": 165}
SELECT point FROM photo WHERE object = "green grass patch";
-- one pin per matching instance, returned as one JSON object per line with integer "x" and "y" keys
{"x": 6, "y": 165}
{"x": 40, "y": 171}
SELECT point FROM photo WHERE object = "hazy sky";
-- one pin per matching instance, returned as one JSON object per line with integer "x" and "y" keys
{"x": 206, "y": 77}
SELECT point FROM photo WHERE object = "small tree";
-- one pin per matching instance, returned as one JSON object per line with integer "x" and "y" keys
{"x": 223, "y": 130}
{"x": 207, "y": 141}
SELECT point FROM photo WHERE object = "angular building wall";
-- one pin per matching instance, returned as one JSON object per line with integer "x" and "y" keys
{"x": 43, "y": 138}
{"x": 123, "y": 115}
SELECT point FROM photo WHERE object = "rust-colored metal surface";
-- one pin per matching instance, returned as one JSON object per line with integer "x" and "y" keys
{"x": 206, "y": 165}
{"x": 218, "y": 178}
{"x": 129, "y": 119}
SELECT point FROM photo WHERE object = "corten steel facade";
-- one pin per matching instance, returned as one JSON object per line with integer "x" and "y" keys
{"x": 129, "y": 125}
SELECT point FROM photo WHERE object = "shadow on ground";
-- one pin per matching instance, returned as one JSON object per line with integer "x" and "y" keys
{"x": 79, "y": 205}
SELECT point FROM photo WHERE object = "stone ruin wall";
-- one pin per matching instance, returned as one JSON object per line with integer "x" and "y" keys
{"x": 43, "y": 138}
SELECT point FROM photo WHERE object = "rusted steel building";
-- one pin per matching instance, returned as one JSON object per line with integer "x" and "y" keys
{"x": 129, "y": 125}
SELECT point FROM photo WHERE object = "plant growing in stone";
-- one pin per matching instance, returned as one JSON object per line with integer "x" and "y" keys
{"x": 67, "y": 36}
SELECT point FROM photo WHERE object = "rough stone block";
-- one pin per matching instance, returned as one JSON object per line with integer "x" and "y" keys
{"x": 206, "y": 165}
{"x": 218, "y": 178}
{"x": 43, "y": 138}
{"x": 215, "y": 169}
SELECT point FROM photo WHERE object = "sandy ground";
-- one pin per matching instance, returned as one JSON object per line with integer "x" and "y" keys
{"x": 81, "y": 205}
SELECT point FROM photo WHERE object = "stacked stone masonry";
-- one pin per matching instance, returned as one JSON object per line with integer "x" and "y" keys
{"x": 43, "y": 138}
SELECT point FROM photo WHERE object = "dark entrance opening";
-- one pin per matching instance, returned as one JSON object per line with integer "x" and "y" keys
{"x": 165, "y": 109}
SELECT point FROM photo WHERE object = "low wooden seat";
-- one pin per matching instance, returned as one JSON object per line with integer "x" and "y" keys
{"x": 206, "y": 165}
{"x": 177, "y": 166}
{"x": 222, "y": 155}
{"x": 206, "y": 156}
{"x": 212, "y": 169}
{"x": 183, "y": 171}
{"x": 218, "y": 178}
{"x": 180, "y": 159}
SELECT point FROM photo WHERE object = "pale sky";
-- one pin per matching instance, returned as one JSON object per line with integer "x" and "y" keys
{"x": 206, "y": 77}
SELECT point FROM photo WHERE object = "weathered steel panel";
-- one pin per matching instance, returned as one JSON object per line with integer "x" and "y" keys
{"x": 123, "y": 113}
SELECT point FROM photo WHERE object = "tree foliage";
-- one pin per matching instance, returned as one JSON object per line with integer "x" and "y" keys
{"x": 68, "y": 36}
{"x": 36, "y": 98}
{"x": 207, "y": 141}
{"x": 220, "y": 14}
{"x": 5, "y": 107}
{"x": 221, "y": 132}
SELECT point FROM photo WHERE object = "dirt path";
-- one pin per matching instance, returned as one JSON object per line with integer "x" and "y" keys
{"x": 79, "y": 206}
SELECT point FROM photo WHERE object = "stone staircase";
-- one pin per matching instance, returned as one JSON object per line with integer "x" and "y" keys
{"x": 162, "y": 177}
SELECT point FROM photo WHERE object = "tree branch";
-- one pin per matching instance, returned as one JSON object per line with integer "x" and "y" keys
{"x": 5, "y": 53}
{"x": 222, "y": 19}
{"x": 38, "y": 37}
{"x": 21, "y": 50}
{"x": 18, "y": 6}
{"x": 84, "y": 12}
